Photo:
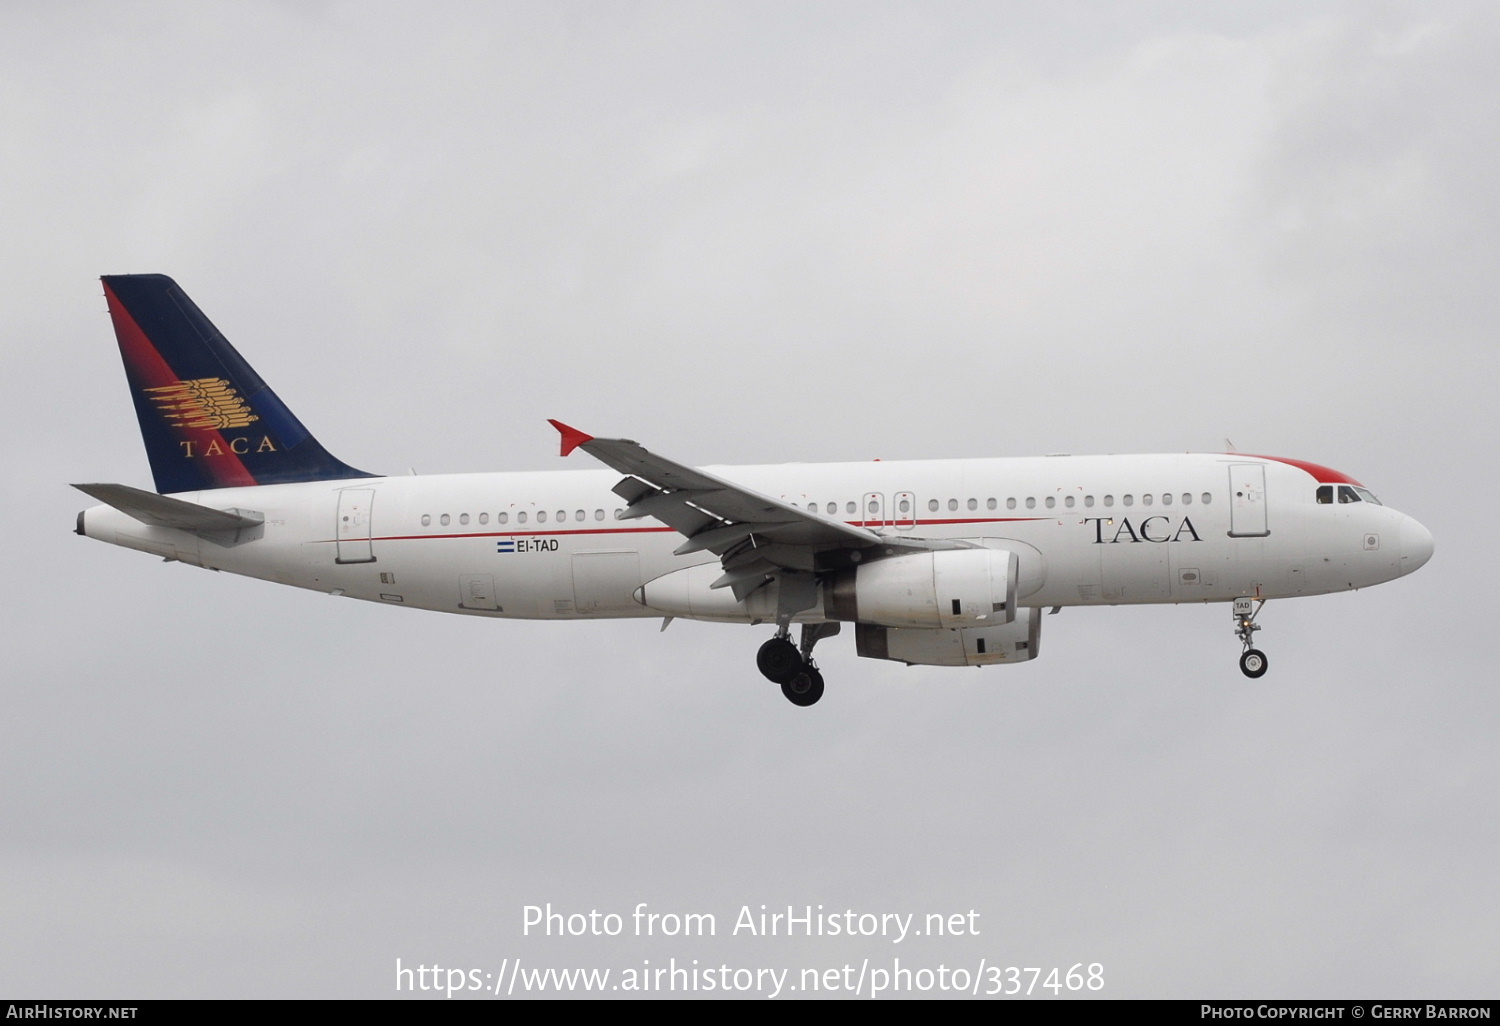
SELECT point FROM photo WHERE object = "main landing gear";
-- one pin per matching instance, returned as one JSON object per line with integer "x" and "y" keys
{"x": 784, "y": 663}
{"x": 1253, "y": 661}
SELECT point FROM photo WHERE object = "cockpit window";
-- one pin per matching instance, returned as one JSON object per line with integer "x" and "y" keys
{"x": 1346, "y": 493}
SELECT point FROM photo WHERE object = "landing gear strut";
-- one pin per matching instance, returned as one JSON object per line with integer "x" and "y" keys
{"x": 1253, "y": 662}
{"x": 792, "y": 667}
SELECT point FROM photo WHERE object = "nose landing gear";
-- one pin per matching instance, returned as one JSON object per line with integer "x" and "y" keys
{"x": 783, "y": 663}
{"x": 1253, "y": 662}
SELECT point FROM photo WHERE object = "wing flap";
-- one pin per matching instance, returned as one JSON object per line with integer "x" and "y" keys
{"x": 653, "y": 503}
{"x": 719, "y": 535}
{"x": 632, "y": 488}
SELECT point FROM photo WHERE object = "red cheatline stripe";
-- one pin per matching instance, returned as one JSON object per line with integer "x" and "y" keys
{"x": 150, "y": 370}
{"x": 523, "y": 534}
{"x": 928, "y": 523}
{"x": 645, "y": 530}
{"x": 1320, "y": 473}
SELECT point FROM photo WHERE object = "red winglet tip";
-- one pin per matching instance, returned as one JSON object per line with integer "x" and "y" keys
{"x": 572, "y": 438}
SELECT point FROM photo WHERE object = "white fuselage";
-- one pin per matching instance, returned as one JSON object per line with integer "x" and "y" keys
{"x": 548, "y": 545}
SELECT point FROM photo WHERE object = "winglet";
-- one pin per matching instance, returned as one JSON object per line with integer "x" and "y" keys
{"x": 572, "y": 438}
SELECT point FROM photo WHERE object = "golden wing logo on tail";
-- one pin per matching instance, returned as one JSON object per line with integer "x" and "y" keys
{"x": 202, "y": 403}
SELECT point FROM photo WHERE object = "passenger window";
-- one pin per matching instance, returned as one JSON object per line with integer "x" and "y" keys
{"x": 501, "y": 518}
{"x": 1109, "y": 500}
{"x": 426, "y": 519}
{"x": 598, "y": 514}
{"x": 973, "y": 504}
{"x": 1129, "y": 500}
{"x": 1146, "y": 499}
{"x": 1068, "y": 501}
{"x": 619, "y": 513}
{"x": 1051, "y": 501}
{"x": 1010, "y": 503}
{"x": 562, "y": 516}
{"x": 444, "y": 519}
{"x": 484, "y": 518}
{"x": 833, "y": 508}
{"x": 521, "y": 517}
{"x": 952, "y": 505}
{"x": 463, "y": 518}
{"x": 849, "y": 507}
{"x": 1030, "y": 502}
{"x": 1207, "y": 497}
{"x": 1088, "y": 500}
{"x": 990, "y": 504}
{"x": 1187, "y": 498}
{"x": 1166, "y": 499}
{"x": 906, "y": 505}
{"x": 932, "y": 505}
{"x": 1325, "y": 495}
{"x": 541, "y": 516}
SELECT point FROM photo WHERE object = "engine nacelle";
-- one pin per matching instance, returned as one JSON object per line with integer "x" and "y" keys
{"x": 1013, "y": 642}
{"x": 686, "y": 593}
{"x": 949, "y": 588}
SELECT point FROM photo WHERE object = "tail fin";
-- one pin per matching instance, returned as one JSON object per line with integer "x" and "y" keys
{"x": 208, "y": 420}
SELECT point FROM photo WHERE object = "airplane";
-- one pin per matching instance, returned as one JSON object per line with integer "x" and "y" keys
{"x": 934, "y": 563}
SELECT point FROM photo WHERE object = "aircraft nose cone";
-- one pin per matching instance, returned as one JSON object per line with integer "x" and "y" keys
{"x": 1416, "y": 546}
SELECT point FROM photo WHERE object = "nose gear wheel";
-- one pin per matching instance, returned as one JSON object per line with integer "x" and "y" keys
{"x": 1253, "y": 662}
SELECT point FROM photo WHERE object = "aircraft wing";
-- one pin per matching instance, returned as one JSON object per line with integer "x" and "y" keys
{"x": 755, "y": 535}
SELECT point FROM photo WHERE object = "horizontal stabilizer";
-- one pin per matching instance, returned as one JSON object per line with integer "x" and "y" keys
{"x": 164, "y": 511}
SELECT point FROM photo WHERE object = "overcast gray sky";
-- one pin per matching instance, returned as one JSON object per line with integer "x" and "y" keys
{"x": 754, "y": 233}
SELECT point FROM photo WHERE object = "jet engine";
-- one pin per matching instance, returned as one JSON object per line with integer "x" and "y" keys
{"x": 949, "y": 588}
{"x": 1013, "y": 642}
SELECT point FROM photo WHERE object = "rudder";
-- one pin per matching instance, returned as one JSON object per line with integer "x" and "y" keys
{"x": 207, "y": 419}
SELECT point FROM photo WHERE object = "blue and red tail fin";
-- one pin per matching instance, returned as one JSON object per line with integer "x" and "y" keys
{"x": 208, "y": 420}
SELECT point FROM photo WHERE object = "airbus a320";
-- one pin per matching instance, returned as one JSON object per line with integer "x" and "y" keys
{"x": 932, "y": 563}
